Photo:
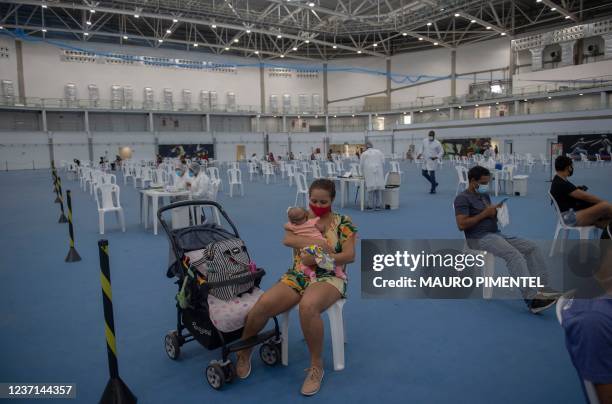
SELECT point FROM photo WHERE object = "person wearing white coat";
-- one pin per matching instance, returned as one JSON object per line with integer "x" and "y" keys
{"x": 432, "y": 151}
{"x": 372, "y": 162}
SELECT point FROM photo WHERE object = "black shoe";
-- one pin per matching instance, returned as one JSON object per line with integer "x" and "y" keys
{"x": 433, "y": 191}
{"x": 537, "y": 305}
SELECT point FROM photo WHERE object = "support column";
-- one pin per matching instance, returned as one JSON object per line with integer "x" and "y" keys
{"x": 262, "y": 89}
{"x": 208, "y": 123}
{"x": 257, "y": 124}
{"x": 325, "y": 93}
{"x": 43, "y": 116}
{"x": 536, "y": 58}
{"x": 411, "y": 117}
{"x": 603, "y": 100}
{"x": 567, "y": 53}
{"x": 453, "y": 81}
{"x": 20, "y": 80}
{"x": 451, "y": 113}
{"x": 150, "y": 122}
{"x": 370, "y": 121}
{"x": 512, "y": 64}
{"x": 326, "y": 123}
{"x": 526, "y": 108}
{"x": 517, "y": 106}
{"x": 51, "y": 151}
{"x": 89, "y": 136}
{"x": 284, "y": 123}
{"x": 388, "y": 89}
{"x": 214, "y": 140}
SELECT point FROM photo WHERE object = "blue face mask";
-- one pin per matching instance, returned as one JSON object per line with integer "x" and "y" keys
{"x": 483, "y": 188}
{"x": 178, "y": 173}
{"x": 190, "y": 174}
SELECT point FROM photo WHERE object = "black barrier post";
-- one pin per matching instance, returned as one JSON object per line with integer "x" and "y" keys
{"x": 73, "y": 255}
{"x": 116, "y": 390}
{"x": 62, "y": 218}
{"x": 55, "y": 178}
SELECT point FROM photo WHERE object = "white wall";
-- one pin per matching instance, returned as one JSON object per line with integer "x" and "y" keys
{"x": 342, "y": 84}
{"x": 108, "y": 143}
{"x": 24, "y": 150}
{"x": 8, "y": 67}
{"x": 541, "y": 80}
{"x": 436, "y": 62}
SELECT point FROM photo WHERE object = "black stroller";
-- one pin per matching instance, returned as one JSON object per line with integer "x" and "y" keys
{"x": 193, "y": 320}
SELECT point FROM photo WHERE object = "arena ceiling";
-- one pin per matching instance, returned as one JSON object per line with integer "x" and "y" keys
{"x": 298, "y": 29}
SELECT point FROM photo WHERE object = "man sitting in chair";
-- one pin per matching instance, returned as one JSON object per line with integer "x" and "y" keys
{"x": 578, "y": 207}
{"x": 477, "y": 217}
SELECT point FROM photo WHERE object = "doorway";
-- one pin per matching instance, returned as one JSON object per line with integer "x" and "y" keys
{"x": 508, "y": 146}
{"x": 240, "y": 152}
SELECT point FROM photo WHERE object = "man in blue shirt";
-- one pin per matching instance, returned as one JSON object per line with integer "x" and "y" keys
{"x": 477, "y": 217}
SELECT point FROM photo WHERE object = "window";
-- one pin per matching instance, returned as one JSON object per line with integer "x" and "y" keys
{"x": 407, "y": 119}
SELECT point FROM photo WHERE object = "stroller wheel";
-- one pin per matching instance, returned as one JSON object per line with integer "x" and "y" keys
{"x": 229, "y": 372}
{"x": 172, "y": 345}
{"x": 269, "y": 353}
{"x": 215, "y": 376}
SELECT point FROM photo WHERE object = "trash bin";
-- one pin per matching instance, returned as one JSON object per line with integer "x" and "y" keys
{"x": 391, "y": 191}
{"x": 520, "y": 185}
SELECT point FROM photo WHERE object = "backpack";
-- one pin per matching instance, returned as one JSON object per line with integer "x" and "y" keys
{"x": 226, "y": 260}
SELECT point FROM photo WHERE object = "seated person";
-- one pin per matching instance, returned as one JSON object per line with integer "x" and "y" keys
{"x": 477, "y": 217}
{"x": 589, "y": 209}
{"x": 300, "y": 225}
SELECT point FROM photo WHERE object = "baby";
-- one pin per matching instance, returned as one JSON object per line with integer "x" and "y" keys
{"x": 300, "y": 225}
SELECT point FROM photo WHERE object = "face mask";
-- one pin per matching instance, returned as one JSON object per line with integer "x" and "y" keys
{"x": 482, "y": 188}
{"x": 178, "y": 173}
{"x": 319, "y": 211}
{"x": 190, "y": 174}
{"x": 571, "y": 171}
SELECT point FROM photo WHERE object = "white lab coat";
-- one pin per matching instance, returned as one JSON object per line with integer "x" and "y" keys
{"x": 372, "y": 164}
{"x": 429, "y": 150}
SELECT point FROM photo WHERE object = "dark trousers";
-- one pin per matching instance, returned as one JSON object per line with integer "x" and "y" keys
{"x": 431, "y": 177}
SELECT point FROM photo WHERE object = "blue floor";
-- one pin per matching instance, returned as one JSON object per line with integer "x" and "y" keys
{"x": 398, "y": 350}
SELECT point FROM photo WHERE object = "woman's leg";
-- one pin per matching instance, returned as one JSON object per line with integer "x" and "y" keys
{"x": 594, "y": 214}
{"x": 278, "y": 299}
{"x": 316, "y": 299}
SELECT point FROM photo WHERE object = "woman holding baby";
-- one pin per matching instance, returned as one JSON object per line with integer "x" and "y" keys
{"x": 318, "y": 236}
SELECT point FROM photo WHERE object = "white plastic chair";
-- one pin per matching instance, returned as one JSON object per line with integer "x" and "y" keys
{"x": 564, "y": 303}
{"x": 316, "y": 172}
{"x": 290, "y": 168}
{"x": 584, "y": 231}
{"x": 213, "y": 173}
{"x": 331, "y": 169}
{"x": 338, "y": 337}
{"x": 305, "y": 167}
{"x": 395, "y": 168}
{"x": 585, "y": 160}
{"x": 302, "y": 189}
{"x": 235, "y": 178}
{"x": 268, "y": 172}
{"x": 462, "y": 173}
{"x": 355, "y": 170}
{"x": 107, "y": 199}
{"x": 253, "y": 171}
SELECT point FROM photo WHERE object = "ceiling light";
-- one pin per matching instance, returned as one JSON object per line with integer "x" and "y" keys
{"x": 420, "y": 38}
{"x": 311, "y": 4}
{"x": 43, "y": 30}
{"x": 44, "y": 6}
{"x": 503, "y": 34}
{"x": 307, "y": 41}
{"x": 92, "y": 11}
{"x": 353, "y": 115}
{"x": 437, "y": 109}
{"x": 335, "y": 116}
{"x": 136, "y": 16}
{"x": 472, "y": 21}
{"x": 226, "y": 48}
{"x": 248, "y": 31}
{"x": 282, "y": 56}
{"x": 429, "y": 24}
{"x": 580, "y": 94}
{"x": 421, "y": 111}
{"x": 257, "y": 52}
{"x": 497, "y": 103}
{"x": 435, "y": 44}
{"x": 459, "y": 107}
{"x": 125, "y": 37}
{"x": 525, "y": 100}
{"x": 476, "y": 105}
{"x": 294, "y": 48}
{"x": 279, "y": 36}
{"x": 213, "y": 26}
{"x": 553, "y": 9}
{"x": 86, "y": 33}
{"x": 168, "y": 31}
{"x": 334, "y": 47}
{"x": 358, "y": 51}
{"x": 567, "y": 17}
{"x": 404, "y": 33}
{"x": 375, "y": 45}
{"x": 550, "y": 98}
{"x": 236, "y": 40}
{"x": 195, "y": 45}
{"x": 456, "y": 14}
{"x": 442, "y": 9}
{"x": 538, "y": 1}
{"x": 88, "y": 22}
{"x": 174, "y": 20}
{"x": 160, "y": 40}
{"x": 488, "y": 27}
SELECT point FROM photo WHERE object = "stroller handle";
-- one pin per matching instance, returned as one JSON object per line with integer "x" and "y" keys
{"x": 200, "y": 202}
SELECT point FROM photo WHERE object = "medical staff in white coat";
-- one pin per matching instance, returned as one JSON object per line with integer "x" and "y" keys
{"x": 432, "y": 151}
{"x": 372, "y": 164}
